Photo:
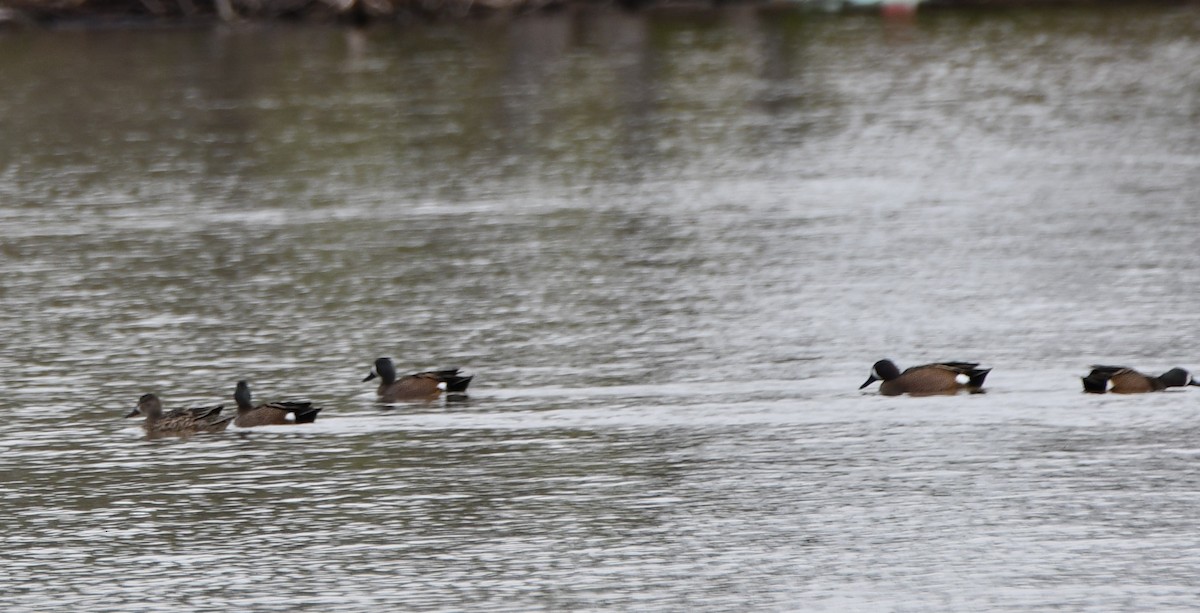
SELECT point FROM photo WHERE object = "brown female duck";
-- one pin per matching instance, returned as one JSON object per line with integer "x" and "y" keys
{"x": 178, "y": 421}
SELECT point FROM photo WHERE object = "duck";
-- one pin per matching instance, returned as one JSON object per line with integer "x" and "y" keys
{"x": 1125, "y": 380}
{"x": 417, "y": 386}
{"x": 270, "y": 413}
{"x": 927, "y": 379}
{"x": 178, "y": 421}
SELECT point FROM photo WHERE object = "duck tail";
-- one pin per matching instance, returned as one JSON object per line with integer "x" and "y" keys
{"x": 976, "y": 376}
{"x": 219, "y": 425}
{"x": 307, "y": 415}
{"x": 304, "y": 412}
{"x": 455, "y": 383}
{"x": 452, "y": 380}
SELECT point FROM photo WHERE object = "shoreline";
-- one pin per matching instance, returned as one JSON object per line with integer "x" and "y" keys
{"x": 18, "y": 14}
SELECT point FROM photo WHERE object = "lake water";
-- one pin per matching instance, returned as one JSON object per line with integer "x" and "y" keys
{"x": 669, "y": 245}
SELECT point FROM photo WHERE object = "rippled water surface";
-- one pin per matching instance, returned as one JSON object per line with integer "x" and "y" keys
{"x": 669, "y": 246}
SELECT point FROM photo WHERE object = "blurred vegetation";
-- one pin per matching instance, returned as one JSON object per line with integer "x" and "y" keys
{"x": 32, "y": 11}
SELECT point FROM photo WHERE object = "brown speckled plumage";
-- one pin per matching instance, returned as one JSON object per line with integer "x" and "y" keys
{"x": 178, "y": 421}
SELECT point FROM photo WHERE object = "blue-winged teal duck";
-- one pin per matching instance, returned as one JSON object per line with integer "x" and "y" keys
{"x": 927, "y": 379}
{"x": 418, "y": 386}
{"x": 270, "y": 413}
{"x": 178, "y": 421}
{"x": 1123, "y": 380}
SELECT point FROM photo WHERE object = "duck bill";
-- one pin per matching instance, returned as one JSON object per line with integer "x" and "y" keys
{"x": 1194, "y": 382}
{"x": 870, "y": 380}
{"x": 133, "y": 413}
{"x": 369, "y": 377}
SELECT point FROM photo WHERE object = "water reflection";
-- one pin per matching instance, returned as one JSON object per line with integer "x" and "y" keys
{"x": 668, "y": 244}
